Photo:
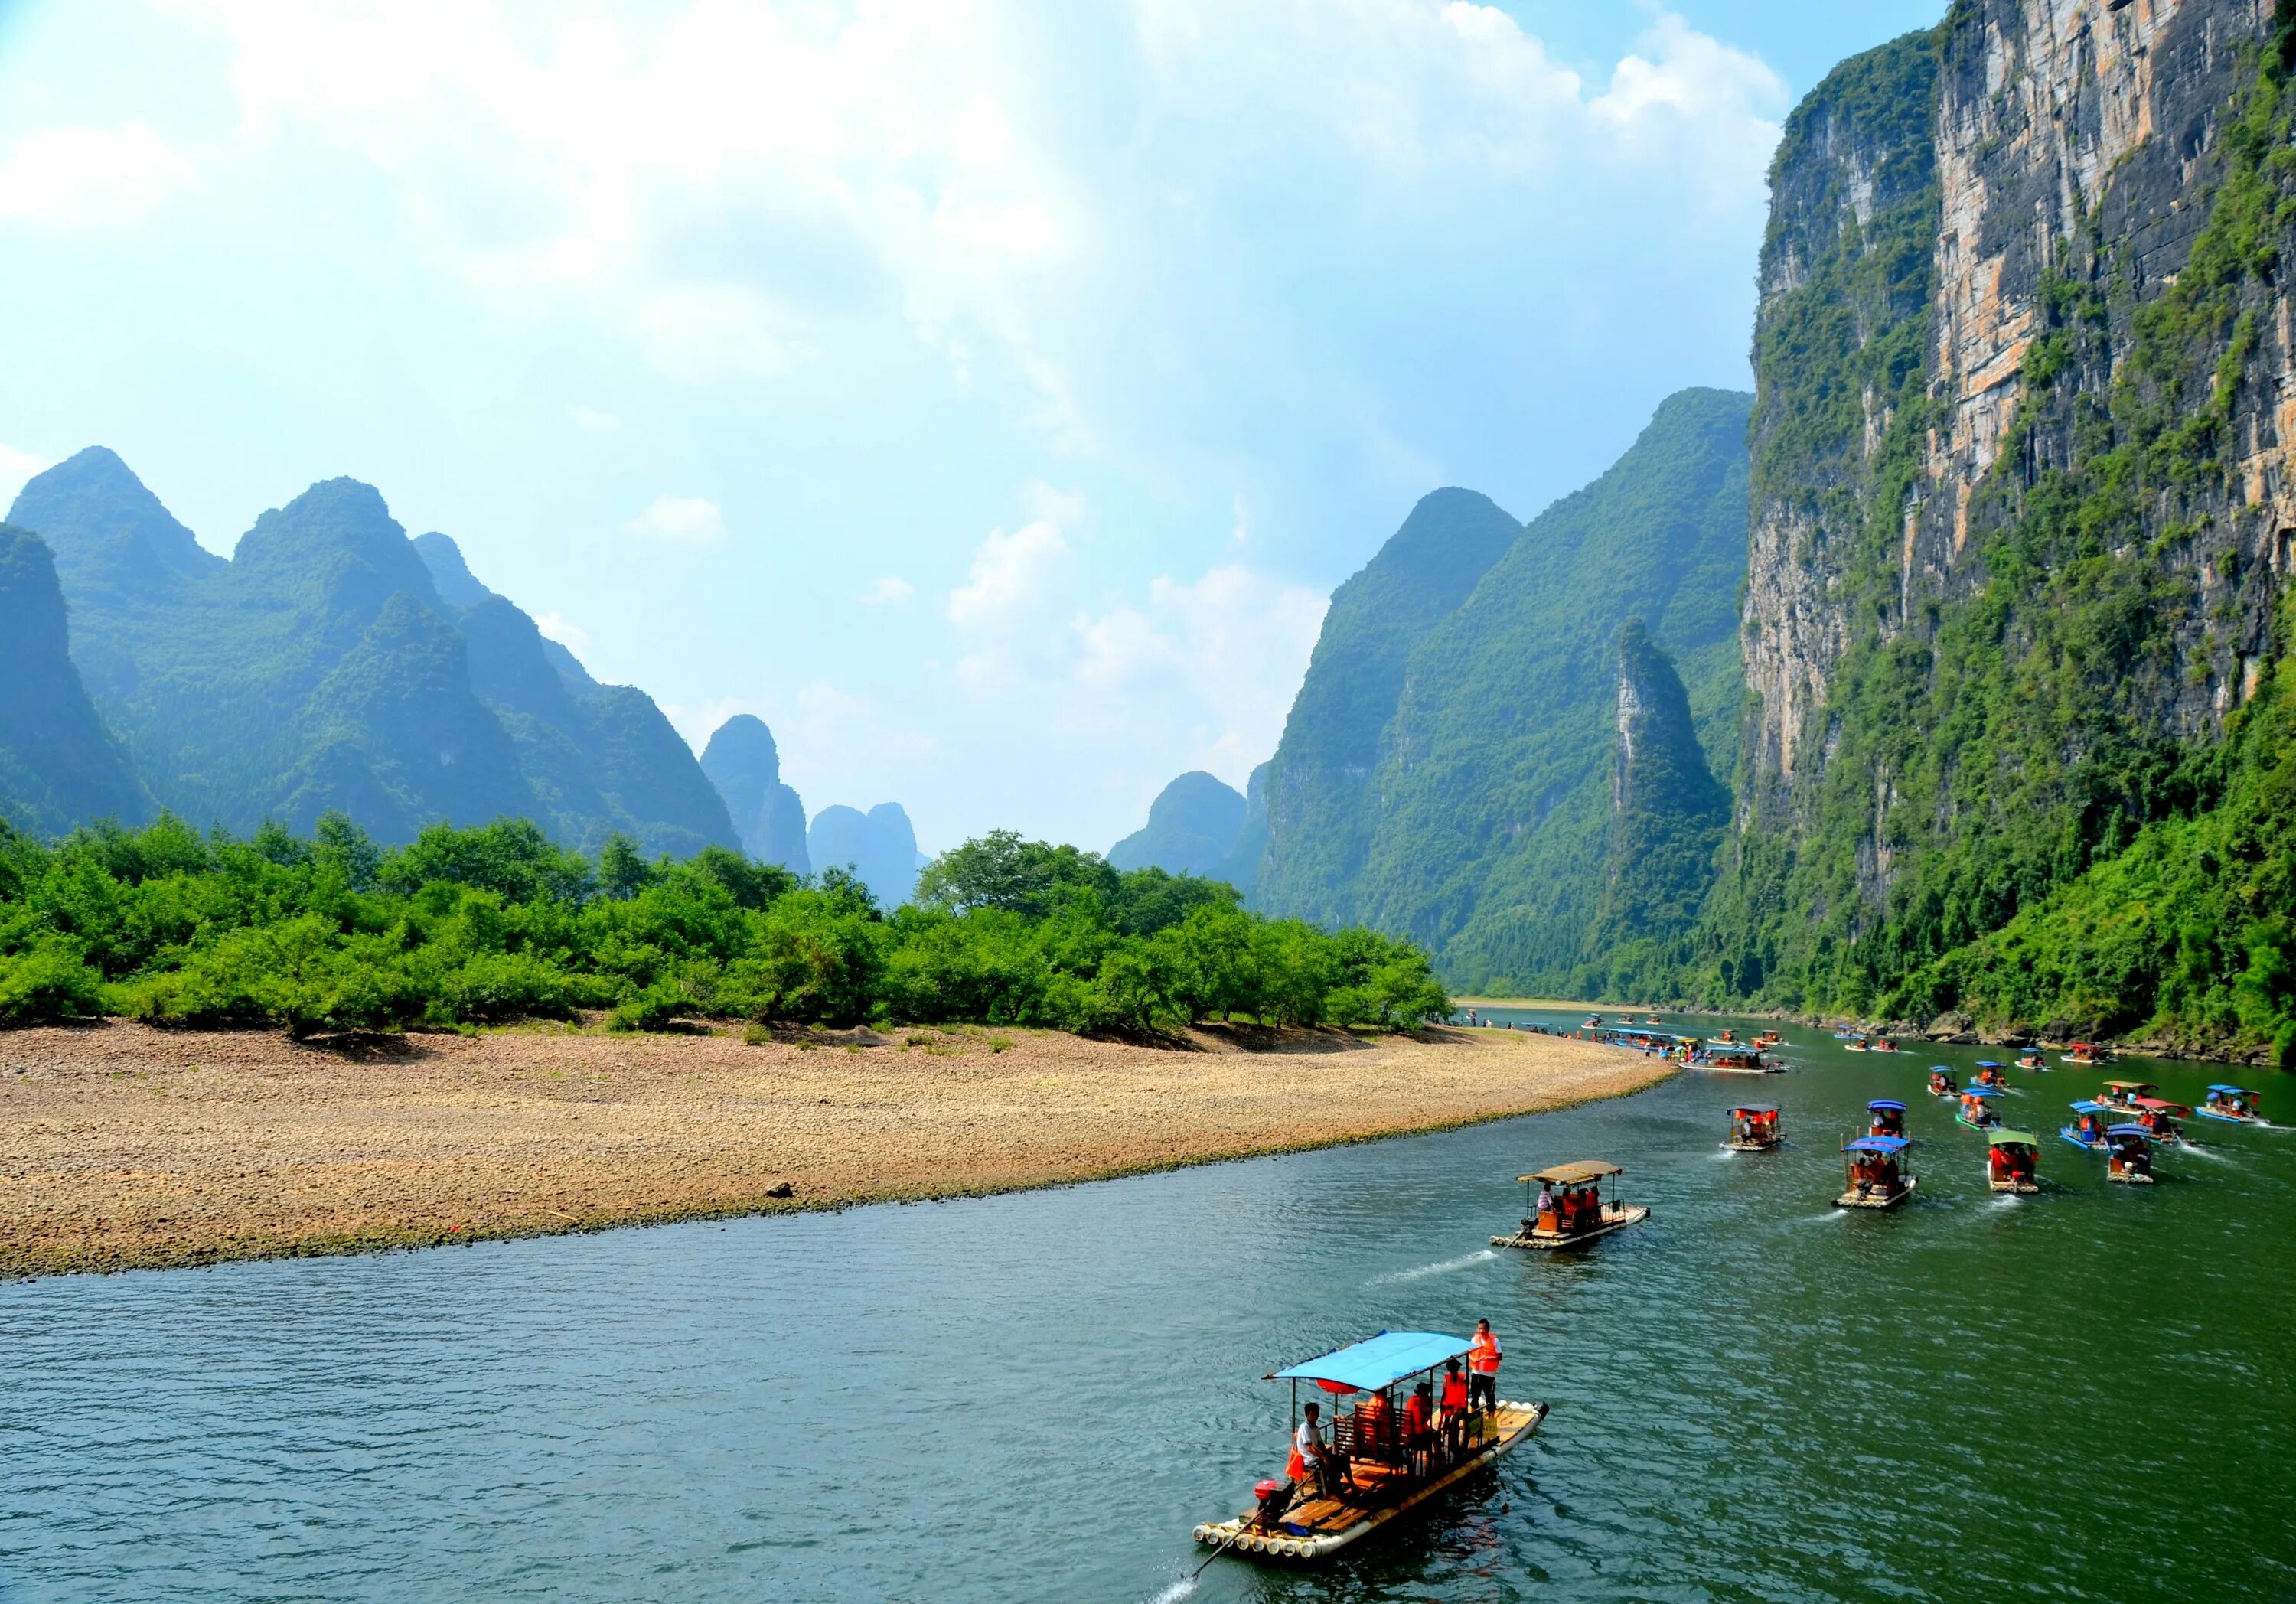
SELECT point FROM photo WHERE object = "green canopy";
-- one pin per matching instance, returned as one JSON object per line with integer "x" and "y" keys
{"x": 2015, "y": 1139}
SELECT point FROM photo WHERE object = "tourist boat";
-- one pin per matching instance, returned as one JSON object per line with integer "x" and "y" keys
{"x": 1989, "y": 1073}
{"x": 1654, "y": 1020}
{"x": 2162, "y": 1118}
{"x": 1976, "y": 1110}
{"x": 1768, "y": 1038}
{"x": 1577, "y": 1211}
{"x": 2087, "y": 1052}
{"x": 1753, "y": 1128}
{"x": 2013, "y": 1162}
{"x": 2125, "y": 1094}
{"x": 1591, "y": 1022}
{"x": 1889, "y": 1117}
{"x": 1848, "y": 1035}
{"x": 1881, "y": 1044}
{"x": 1942, "y": 1083}
{"x": 1379, "y": 1478}
{"x": 2088, "y": 1128}
{"x": 1877, "y": 1173}
{"x": 1735, "y": 1058}
{"x": 2129, "y": 1155}
{"x": 2032, "y": 1059}
{"x": 2233, "y": 1105}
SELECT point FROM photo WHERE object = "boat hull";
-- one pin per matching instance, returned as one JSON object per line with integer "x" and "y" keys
{"x": 1753, "y": 1146}
{"x": 2128, "y": 1177}
{"x": 1515, "y": 1422}
{"x": 2227, "y": 1119}
{"x": 1972, "y": 1125}
{"x": 1616, "y": 1220}
{"x": 1850, "y": 1199}
{"x": 2014, "y": 1186}
{"x": 2080, "y": 1142}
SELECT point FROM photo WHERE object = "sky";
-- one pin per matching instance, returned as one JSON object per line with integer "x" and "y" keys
{"x": 987, "y": 394}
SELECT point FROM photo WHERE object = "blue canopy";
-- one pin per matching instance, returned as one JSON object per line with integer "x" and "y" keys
{"x": 1886, "y": 1102}
{"x": 1990, "y": 1064}
{"x": 1877, "y": 1144}
{"x": 2242, "y": 1091}
{"x": 2129, "y": 1130}
{"x": 1981, "y": 1092}
{"x": 1380, "y": 1360}
{"x": 2088, "y": 1107}
{"x": 1941, "y": 1069}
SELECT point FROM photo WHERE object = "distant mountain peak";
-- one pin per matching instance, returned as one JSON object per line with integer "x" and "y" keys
{"x": 458, "y": 587}
{"x": 106, "y": 528}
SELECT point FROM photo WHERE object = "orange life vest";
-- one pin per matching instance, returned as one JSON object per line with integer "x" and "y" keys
{"x": 1454, "y": 1391}
{"x": 1483, "y": 1355}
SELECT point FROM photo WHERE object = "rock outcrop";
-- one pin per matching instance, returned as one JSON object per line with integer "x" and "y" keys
{"x": 59, "y": 766}
{"x": 880, "y": 847}
{"x": 745, "y": 766}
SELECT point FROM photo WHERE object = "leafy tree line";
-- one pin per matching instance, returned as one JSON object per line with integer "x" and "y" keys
{"x": 471, "y": 926}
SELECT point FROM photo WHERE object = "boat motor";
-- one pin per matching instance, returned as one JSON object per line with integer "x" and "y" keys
{"x": 1274, "y": 1497}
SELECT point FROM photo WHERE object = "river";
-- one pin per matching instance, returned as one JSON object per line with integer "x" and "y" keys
{"x": 2085, "y": 1395}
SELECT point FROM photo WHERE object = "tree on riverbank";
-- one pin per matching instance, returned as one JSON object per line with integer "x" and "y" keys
{"x": 473, "y": 926}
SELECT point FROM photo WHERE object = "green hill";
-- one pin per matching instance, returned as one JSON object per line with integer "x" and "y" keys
{"x": 59, "y": 766}
{"x": 1192, "y": 829}
{"x": 322, "y": 667}
{"x": 1460, "y": 752}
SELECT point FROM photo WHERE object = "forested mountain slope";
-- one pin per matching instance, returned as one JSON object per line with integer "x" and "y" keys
{"x": 2022, "y": 520}
{"x": 321, "y": 669}
{"x": 1193, "y": 827}
{"x": 59, "y": 766}
{"x": 1466, "y": 792}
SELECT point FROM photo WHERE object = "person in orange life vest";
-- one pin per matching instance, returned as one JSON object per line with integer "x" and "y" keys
{"x": 1483, "y": 1357}
{"x": 1419, "y": 1425}
{"x": 1455, "y": 1402}
{"x": 1307, "y": 1456}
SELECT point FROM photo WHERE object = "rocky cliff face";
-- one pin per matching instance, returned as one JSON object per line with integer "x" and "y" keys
{"x": 2020, "y": 499}
{"x": 1666, "y": 817}
{"x": 745, "y": 766}
{"x": 59, "y": 766}
{"x": 1193, "y": 827}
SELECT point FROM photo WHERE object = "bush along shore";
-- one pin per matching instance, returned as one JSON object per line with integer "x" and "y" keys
{"x": 465, "y": 927}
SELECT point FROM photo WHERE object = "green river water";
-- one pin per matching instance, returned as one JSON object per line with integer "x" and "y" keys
{"x": 2085, "y": 1395}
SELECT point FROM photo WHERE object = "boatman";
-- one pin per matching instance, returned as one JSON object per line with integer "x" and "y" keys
{"x": 1307, "y": 1451}
{"x": 1483, "y": 1358}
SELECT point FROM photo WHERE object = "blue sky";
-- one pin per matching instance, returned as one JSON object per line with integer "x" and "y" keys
{"x": 987, "y": 394}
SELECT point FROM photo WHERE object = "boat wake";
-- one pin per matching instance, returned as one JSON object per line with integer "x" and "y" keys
{"x": 1480, "y": 1256}
{"x": 2214, "y": 1155}
{"x": 1179, "y": 1590}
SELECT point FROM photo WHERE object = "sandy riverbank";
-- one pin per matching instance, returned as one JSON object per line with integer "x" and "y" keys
{"x": 121, "y": 1146}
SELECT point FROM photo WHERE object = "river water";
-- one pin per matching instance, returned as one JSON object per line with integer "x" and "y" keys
{"x": 2085, "y": 1395}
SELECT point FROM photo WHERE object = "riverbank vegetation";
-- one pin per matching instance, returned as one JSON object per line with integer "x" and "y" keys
{"x": 470, "y": 926}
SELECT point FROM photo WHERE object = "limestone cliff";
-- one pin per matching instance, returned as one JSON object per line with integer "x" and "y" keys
{"x": 2021, "y": 506}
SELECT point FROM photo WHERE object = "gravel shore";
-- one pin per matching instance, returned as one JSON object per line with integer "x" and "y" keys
{"x": 125, "y": 1147}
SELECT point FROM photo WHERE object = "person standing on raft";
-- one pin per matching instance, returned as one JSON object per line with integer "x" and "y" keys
{"x": 1483, "y": 1359}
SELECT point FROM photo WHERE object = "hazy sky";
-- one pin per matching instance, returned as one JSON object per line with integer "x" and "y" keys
{"x": 987, "y": 394}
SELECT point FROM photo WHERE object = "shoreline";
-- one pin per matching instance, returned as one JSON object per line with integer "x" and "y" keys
{"x": 122, "y": 1147}
{"x": 2171, "y": 1052}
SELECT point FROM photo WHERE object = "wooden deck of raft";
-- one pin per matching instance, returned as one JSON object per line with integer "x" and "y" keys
{"x": 1324, "y": 1525}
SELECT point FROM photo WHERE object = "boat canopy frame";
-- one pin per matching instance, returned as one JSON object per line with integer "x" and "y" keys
{"x": 1578, "y": 1172}
{"x": 1378, "y": 1363}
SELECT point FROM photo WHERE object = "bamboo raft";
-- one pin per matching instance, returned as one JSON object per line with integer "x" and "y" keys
{"x": 1374, "y": 1496}
{"x": 1617, "y": 1217}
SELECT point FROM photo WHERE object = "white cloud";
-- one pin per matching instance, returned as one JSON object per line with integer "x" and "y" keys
{"x": 890, "y": 589}
{"x": 74, "y": 177}
{"x": 687, "y": 519}
{"x": 16, "y": 467}
{"x": 1003, "y": 609}
{"x": 568, "y": 635}
{"x": 591, "y": 421}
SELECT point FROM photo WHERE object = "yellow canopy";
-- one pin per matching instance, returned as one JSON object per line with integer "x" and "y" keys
{"x": 1574, "y": 1175}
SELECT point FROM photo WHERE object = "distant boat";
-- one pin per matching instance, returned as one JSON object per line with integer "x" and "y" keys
{"x": 2087, "y": 1052}
{"x": 1943, "y": 1083}
{"x": 2013, "y": 1162}
{"x": 1876, "y": 1172}
{"x": 2129, "y": 1157}
{"x": 2089, "y": 1130}
{"x": 2032, "y": 1057}
{"x": 1889, "y": 1117}
{"x": 1753, "y": 1128}
{"x": 1577, "y": 1211}
{"x": 1976, "y": 1110}
{"x": 2164, "y": 1119}
{"x": 2232, "y": 1105}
